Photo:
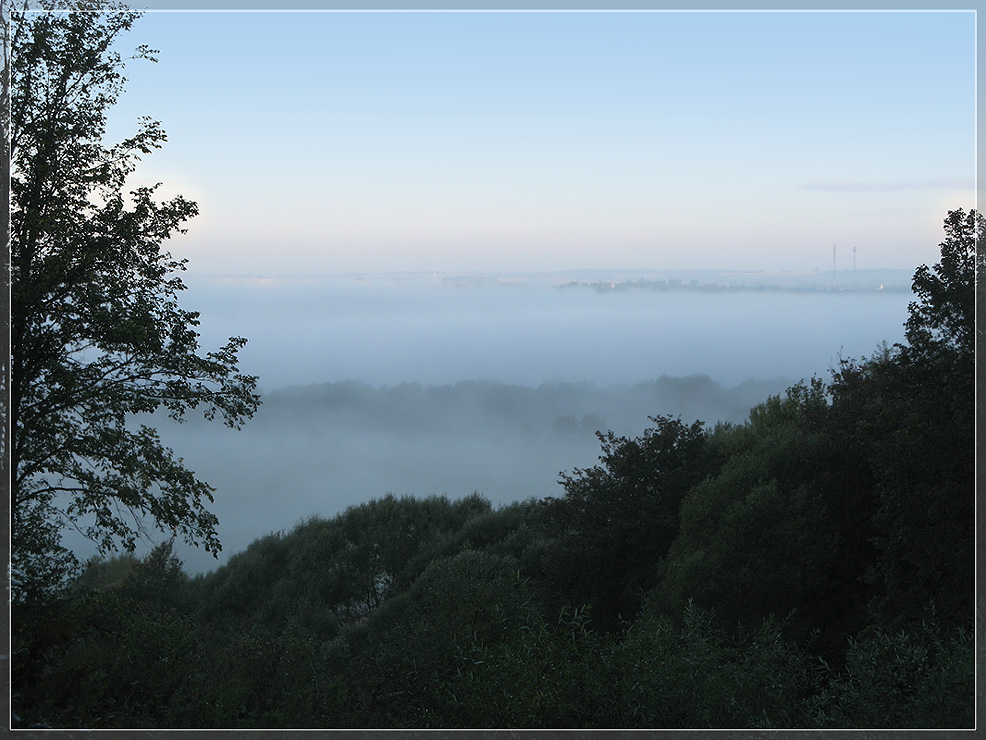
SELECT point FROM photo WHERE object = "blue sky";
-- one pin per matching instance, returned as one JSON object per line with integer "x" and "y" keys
{"x": 335, "y": 142}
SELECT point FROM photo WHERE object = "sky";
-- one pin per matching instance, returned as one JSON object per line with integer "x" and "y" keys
{"x": 335, "y": 142}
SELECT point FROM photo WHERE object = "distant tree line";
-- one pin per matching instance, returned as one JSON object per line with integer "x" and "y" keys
{"x": 547, "y": 408}
{"x": 811, "y": 567}
{"x": 821, "y": 283}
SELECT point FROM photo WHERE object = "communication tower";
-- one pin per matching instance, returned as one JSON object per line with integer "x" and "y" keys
{"x": 833, "y": 262}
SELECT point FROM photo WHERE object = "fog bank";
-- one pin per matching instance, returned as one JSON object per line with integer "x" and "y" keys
{"x": 527, "y": 329}
{"x": 429, "y": 384}
{"x": 318, "y": 449}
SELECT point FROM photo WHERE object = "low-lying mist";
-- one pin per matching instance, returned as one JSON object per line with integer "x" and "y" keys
{"x": 412, "y": 384}
{"x": 318, "y": 449}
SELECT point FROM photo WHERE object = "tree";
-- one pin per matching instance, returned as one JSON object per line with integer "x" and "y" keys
{"x": 923, "y": 443}
{"x": 910, "y": 409}
{"x": 617, "y": 520}
{"x": 756, "y": 539}
{"x": 943, "y": 317}
{"x": 329, "y": 572}
{"x": 97, "y": 336}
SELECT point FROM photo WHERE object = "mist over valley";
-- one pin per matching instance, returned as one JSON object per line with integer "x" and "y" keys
{"x": 532, "y": 328}
{"x": 425, "y": 384}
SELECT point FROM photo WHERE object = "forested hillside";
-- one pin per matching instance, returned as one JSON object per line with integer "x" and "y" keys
{"x": 811, "y": 567}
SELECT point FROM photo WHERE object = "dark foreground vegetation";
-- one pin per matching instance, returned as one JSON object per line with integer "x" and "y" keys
{"x": 812, "y": 567}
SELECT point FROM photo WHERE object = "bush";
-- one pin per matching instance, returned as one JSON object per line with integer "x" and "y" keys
{"x": 921, "y": 678}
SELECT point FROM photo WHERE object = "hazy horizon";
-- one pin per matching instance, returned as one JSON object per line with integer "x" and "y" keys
{"x": 390, "y": 328}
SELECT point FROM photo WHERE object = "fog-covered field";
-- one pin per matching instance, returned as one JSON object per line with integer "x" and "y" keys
{"x": 430, "y": 384}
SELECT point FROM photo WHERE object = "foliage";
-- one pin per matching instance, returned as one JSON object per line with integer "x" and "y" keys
{"x": 325, "y": 573}
{"x": 97, "y": 336}
{"x": 943, "y": 318}
{"x": 99, "y": 574}
{"x": 405, "y": 649}
{"x": 618, "y": 519}
{"x": 756, "y": 539}
{"x": 918, "y": 678}
{"x": 696, "y": 675}
{"x": 543, "y": 672}
{"x": 128, "y": 653}
{"x": 911, "y": 409}
{"x": 918, "y": 433}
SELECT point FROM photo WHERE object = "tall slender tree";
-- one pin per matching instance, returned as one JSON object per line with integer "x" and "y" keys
{"x": 97, "y": 337}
